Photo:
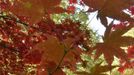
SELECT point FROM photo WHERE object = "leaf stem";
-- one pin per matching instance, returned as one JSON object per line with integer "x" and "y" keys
{"x": 66, "y": 50}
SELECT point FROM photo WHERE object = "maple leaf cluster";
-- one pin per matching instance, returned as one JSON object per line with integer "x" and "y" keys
{"x": 130, "y": 55}
{"x": 111, "y": 8}
{"x": 42, "y": 43}
{"x": 113, "y": 38}
{"x": 28, "y": 36}
{"x": 48, "y": 45}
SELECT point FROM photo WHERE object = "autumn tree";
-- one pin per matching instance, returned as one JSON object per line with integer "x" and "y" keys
{"x": 50, "y": 37}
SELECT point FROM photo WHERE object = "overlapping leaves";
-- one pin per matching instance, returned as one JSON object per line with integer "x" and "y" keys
{"x": 53, "y": 54}
{"x": 113, "y": 41}
{"x": 111, "y": 8}
{"x": 52, "y": 50}
{"x": 33, "y": 9}
{"x": 130, "y": 55}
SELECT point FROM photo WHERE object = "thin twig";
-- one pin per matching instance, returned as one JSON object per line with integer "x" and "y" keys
{"x": 66, "y": 50}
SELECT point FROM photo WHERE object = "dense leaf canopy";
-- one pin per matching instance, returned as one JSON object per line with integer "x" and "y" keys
{"x": 44, "y": 37}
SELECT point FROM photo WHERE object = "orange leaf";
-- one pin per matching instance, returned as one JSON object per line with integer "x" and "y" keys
{"x": 35, "y": 9}
{"x": 53, "y": 52}
{"x": 52, "y": 48}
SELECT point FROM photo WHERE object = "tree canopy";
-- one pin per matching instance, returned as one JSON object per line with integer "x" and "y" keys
{"x": 53, "y": 37}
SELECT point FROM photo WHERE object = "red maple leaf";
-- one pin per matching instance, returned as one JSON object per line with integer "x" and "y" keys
{"x": 113, "y": 41}
{"x": 111, "y": 8}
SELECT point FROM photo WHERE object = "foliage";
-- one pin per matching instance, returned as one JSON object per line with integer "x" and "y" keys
{"x": 51, "y": 37}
